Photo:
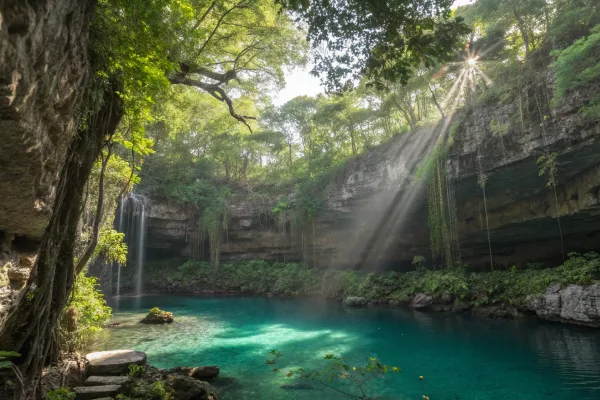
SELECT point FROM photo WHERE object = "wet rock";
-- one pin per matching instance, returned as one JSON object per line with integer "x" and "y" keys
{"x": 576, "y": 304}
{"x": 115, "y": 362}
{"x": 354, "y": 301}
{"x": 188, "y": 388}
{"x": 201, "y": 373}
{"x": 157, "y": 316}
{"x": 422, "y": 301}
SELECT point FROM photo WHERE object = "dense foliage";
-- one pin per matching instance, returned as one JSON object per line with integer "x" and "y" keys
{"x": 384, "y": 40}
{"x": 85, "y": 314}
{"x": 510, "y": 287}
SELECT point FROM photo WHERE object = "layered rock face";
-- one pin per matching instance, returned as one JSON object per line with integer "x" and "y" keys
{"x": 574, "y": 304}
{"x": 523, "y": 209}
{"x": 43, "y": 70}
{"x": 376, "y": 210}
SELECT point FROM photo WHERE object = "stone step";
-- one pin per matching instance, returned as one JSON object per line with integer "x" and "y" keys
{"x": 114, "y": 362}
{"x": 96, "y": 392}
{"x": 96, "y": 380}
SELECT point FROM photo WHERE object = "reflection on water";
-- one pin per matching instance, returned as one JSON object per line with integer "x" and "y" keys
{"x": 461, "y": 357}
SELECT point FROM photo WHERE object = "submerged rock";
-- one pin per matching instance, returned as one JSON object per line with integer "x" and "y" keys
{"x": 157, "y": 316}
{"x": 354, "y": 301}
{"x": 422, "y": 301}
{"x": 574, "y": 304}
{"x": 201, "y": 373}
{"x": 297, "y": 386}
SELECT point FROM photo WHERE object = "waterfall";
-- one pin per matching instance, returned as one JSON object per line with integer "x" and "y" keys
{"x": 140, "y": 252}
{"x": 120, "y": 227}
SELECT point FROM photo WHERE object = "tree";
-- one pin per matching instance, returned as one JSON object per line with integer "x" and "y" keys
{"x": 382, "y": 39}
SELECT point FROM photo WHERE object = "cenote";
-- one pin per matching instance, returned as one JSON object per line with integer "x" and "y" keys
{"x": 459, "y": 356}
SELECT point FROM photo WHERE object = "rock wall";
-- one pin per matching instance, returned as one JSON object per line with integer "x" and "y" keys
{"x": 376, "y": 211}
{"x": 574, "y": 304}
{"x": 43, "y": 72}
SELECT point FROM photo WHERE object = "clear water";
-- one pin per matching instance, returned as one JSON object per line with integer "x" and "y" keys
{"x": 460, "y": 357}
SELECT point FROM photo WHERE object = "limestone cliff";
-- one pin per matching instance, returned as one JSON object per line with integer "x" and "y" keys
{"x": 43, "y": 72}
{"x": 376, "y": 211}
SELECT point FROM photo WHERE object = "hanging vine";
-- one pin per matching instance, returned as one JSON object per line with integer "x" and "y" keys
{"x": 441, "y": 212}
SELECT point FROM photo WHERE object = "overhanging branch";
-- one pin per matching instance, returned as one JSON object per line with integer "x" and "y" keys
{"x": 215, "y": 91}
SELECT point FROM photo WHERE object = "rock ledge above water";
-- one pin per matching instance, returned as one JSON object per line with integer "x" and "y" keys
{"x": 115, "y": 362}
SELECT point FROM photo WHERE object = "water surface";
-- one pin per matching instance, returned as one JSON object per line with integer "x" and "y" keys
{"x": 460, "y": 357}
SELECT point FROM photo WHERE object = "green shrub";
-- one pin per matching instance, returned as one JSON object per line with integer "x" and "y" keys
{"x": 85, "y": 314}
{"x": 136, "y": 371}
{"x": 62, "y": 393}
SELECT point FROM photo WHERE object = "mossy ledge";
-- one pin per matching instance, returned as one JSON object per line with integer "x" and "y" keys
{"x": 550, "y": 293}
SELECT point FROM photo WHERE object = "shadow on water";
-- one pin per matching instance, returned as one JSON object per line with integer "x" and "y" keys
{"x": 461, "y": 357}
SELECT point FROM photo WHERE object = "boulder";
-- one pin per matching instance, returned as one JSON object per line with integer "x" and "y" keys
{"x": 157, "y": 316}
{"x": 96, "y": 392}
{"x": 354, "y": 301}
{"x": 575, "y": 304}
{"x": 201, "y": 373}
{"x": 188, "y": 388}
{"x": 422, "y": 301}
{"x": 114, "y": 362}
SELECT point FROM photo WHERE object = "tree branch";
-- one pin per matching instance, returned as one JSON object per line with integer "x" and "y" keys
{"x": 215, "y": 91}
{"x": 203, "y": 17}
{"x": 219, "y": 22}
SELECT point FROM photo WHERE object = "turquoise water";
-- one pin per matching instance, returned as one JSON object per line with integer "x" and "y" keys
{"x": 460, "y": 357}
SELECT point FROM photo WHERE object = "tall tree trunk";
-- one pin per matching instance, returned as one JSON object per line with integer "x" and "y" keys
{"x": 30, "y": 328}
{"x": 82, "y": 262}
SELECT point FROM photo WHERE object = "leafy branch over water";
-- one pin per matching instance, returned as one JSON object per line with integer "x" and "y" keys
{"x": 337, "y": 375}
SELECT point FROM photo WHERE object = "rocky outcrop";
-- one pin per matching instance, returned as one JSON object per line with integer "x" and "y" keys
{"x": 182, "y": 382}
{"x": 157, "y": 317}
{"x": 43, "y": 69}
{"x": 422, "y": 301}
{"x": 205, "y": 373}
{"x": 188, "y": 388}
{"x": 44, "y": 73}
{"x": 573, "y": 304}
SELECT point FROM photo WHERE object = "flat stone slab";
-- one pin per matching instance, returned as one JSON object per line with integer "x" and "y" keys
{"x": 114, "y": 362}
{"x": 96, "y": 392}
{"x": 95, "y": 380}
